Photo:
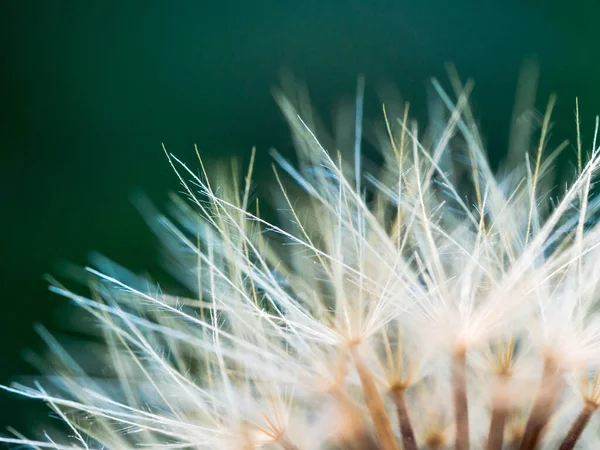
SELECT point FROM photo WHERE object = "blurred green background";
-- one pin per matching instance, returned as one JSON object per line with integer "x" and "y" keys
{"x": 90, "y": 89}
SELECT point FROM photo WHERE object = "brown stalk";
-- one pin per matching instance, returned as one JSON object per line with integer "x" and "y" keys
{"x": 578, "y": 426}
{"x": 514, "y": 444}
{"x": 499, "y": 417}
{"x": 374, "y": 402}
{"x": 496, "y": 432}
{"x": 354, "y": 434}
{"x": 500, "y": 403}
{"x": 408, "y": 435}
{"x": 542, "y": 406}
{"x": 459, "y": 397}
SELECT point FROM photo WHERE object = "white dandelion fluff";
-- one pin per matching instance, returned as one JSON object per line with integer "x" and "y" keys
{"x": 425, "y": 303}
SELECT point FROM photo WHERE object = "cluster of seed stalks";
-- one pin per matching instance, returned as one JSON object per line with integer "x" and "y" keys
{"x": 424, "y": 303}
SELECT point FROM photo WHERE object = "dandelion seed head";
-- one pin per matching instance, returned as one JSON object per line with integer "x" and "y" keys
{"x": 426, "y": 302}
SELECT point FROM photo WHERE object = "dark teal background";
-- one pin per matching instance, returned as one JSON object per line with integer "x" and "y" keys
{"x": 91, "y": 88}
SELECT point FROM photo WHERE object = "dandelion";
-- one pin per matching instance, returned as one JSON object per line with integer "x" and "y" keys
{"x": 427, "y": 302}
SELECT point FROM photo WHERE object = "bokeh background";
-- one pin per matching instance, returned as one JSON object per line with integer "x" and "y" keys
{"x": 90, "y": 89}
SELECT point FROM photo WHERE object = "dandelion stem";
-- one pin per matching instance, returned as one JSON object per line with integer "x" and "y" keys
{"x": 459, "y": 394}
{"x": 542, "y": 406}
{"x": 374, "y": 402}
{"x": 500, "y": 409}
{"x": 514, "y": 444}
{"x": 497, "y": 423}
{"x": 355, "y": 434}
{"x": 408, "y": 436}
{"x": 578, "y": 426}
